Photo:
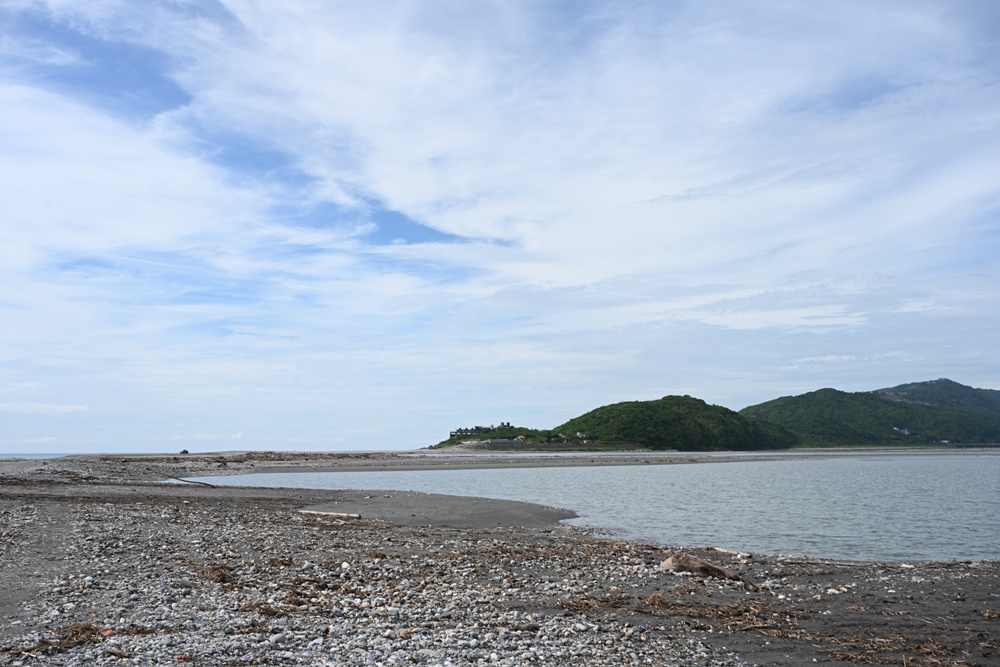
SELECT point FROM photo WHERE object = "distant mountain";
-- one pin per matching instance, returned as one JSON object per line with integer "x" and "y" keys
{"x": 676, "y": 422}
{"x": 917, "y": 413}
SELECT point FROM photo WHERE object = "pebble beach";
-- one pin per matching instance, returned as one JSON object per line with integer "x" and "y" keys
{"x": 103, "y": 563}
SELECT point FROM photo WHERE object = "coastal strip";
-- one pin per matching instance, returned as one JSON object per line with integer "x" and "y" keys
{"x": 100, "y": 563}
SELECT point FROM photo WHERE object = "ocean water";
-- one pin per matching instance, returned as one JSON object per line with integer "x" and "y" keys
{"x": 893, "y": 507}
{"x": 31, "y": 456}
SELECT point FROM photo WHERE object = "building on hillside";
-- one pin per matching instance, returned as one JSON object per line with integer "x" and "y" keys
{"x": 477, "y": 430}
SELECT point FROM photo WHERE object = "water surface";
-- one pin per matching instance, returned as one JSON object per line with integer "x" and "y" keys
{"x": 865, "y": 507}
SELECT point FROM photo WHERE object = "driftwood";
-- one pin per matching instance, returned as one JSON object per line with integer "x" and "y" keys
{"x": 681, "y": 562}
{"x": 338, "y": 514}
{"x": 191, "y": 481}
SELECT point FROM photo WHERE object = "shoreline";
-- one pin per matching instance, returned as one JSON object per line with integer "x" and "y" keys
{"x": 198, "y": 470}
{"x": 238, "y": 461}
{"x": 234, "y": 575}
{"x": 502, "y": 460}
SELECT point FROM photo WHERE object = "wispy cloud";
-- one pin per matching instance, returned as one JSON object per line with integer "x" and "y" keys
{"x": 362, "y": 224}
{"x": 34, "y": 52}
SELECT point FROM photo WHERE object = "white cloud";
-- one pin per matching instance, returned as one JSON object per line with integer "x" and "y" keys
{"x": 635, "y": 188}
{"x": 32, "y": 51}
{"x": 81, "y": 183}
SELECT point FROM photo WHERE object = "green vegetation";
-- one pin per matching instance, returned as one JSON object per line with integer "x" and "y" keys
{"x": 921, "y": 413}
{"x": 673, "y": 422}
{"x": 911, "y": 414}
{"x": 677, "y": 422}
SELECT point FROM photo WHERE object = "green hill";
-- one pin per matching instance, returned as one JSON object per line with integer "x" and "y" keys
{"x": 676, "y": 422}
{"x": 917, "y": 413}
{"x": 920, "y": 413}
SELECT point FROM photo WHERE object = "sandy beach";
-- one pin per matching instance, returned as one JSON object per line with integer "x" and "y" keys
{"x": 104, "y": 564}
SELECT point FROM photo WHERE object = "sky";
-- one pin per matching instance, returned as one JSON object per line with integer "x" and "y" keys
{"x": 314, "y": 225}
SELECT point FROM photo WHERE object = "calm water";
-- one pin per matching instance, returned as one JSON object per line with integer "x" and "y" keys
{"x": 864, "y": 507}
{"x": 31, "y": 456}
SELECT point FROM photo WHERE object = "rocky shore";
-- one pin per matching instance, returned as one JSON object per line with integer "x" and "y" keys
{"x": 100, "y": 563}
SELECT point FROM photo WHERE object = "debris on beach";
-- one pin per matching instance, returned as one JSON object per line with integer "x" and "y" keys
{"x": 682, "y": 562}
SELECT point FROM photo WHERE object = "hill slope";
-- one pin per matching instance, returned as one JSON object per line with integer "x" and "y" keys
{"x": 917, "y": 413}
{"x": 677, "y": 422}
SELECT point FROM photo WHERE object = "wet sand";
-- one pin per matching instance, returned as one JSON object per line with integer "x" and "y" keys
{"x": 790, "y": 612}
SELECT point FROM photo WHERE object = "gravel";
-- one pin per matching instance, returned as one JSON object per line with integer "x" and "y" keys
{"x": 161, "y": 582}
{"x": 102, "y": 565}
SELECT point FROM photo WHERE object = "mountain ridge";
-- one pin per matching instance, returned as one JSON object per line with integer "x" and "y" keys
{"x": 919, "y": 413}
{"x": 938, "y": 411}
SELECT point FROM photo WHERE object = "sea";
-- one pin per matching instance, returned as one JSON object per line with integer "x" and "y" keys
{"x": 878, "y": 506}
{"x": 30, "y": 456}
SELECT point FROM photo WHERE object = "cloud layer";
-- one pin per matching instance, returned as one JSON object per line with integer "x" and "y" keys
{"x": 361, "y": 225}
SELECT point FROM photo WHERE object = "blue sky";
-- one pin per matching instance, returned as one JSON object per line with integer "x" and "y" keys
{"x": 358, "y": 225}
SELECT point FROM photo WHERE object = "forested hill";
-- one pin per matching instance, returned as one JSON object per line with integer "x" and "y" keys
{"x": 677, "y": 422}
{"x": 917, "y": 413}
{"x": 911, "y": 414}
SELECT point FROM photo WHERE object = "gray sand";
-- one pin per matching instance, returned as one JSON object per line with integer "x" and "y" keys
{"x": 99, "y": 562}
